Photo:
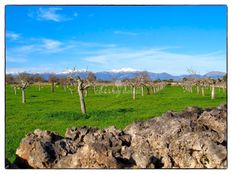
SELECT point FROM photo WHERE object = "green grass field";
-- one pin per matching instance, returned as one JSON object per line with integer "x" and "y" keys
{"x": 60, "y": 110}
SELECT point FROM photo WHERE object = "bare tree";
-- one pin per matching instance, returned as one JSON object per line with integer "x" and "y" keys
{"x": 23, "y": 80}
{"x": 157, "y": 85}
{"x": 133, "y": 83}
{"x": 12, "y": 81}
{"x": 63, "y": 82}
{"x": 118, "y": 84}
{"x": 91, "y": 79}
{"x": 38, "y": 79}
{"x": 9, "y": 79}
{"x": 144, "y": 81}
{"x": 82, "y": 85}
{"x": 70, "y": 84}
{"x": 222, "y": 83}
{"x": 124, "y": 84}
{"x": 52, "y": 79}
{"x": 153, "y": 86}
{"x": 192, "y": 78}
{"x": 197, "y": 82}
{"x": 212, "y": 83}
{"x": 192, "y": 72}
{"x": 202, "y": 83}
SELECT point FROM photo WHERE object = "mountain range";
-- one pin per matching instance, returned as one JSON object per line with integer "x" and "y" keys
{"x": 110, "y": 75}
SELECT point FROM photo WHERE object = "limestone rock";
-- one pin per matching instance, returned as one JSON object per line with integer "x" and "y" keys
{"x": 36, "y": 150}
{"x": 192, "y": 138}
{"x": 94, "y": 155}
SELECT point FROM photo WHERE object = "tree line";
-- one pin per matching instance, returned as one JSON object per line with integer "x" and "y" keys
{"x": 73, "y": 82}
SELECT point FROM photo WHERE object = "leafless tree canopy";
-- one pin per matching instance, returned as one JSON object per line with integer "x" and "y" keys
{"x": 23, "y": 80}
{"x": 38, "y": 78}
{"x": 91, "y": 77}
{"x": 63, "y": 81}
{"x": 144, "y": 78}
{"x": 52, "y": 79}
{"x": 10, "y": 79}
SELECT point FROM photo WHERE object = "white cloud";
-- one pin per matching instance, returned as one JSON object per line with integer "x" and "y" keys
{"x": 49, "y": 14}
{"x": 125, "y": 33}
{"x": 51, "y": 44}
{"x": 38, "y": 46}
{"x": 16, "y": 59}
{"x": 47, "y": 47}
{"x": 12, "y": 35}
{"x": 106, "y": 56}
{"x": 93, "y": 44}
{"x": 158, "y": 60}
{"x": 29, "y": 69}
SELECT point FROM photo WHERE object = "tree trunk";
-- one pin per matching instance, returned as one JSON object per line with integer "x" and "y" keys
{"x": 213, "y": 92}
{"x": 23, "y": 96}
{"x": 133, "y": 92}
{"x": 64, "y": 87}
{"x": 142, "y": 91}
{"x": 198, "y": 89}
{"x": 154, "y": 90}
{"x": 202, "y": 91}
{"x": 94, "y": 89}
{"x": 53, "y": 87}
{"x": 15, "y": 90}
{"x": 118, "y": 90}
{"x": 82, "y": 101}
{"x": 86, "y": 93}
{"x": 148, "y": 90}
{"x": 71, "y": 92}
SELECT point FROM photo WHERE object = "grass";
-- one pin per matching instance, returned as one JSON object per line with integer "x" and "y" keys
{"x": 60, "y": 110}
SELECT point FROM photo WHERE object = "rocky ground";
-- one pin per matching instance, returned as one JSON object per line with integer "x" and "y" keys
{"x": 193, "y": 138}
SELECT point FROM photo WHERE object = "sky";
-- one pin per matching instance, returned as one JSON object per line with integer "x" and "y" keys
{"x": 158, "y": 39}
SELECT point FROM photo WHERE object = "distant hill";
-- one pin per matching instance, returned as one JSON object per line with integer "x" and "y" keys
{"x": 215, "y": 74}
{"x": 108, "y": 75}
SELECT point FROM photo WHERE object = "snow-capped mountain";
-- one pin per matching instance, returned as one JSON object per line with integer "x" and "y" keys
{"x": 126, "y": 74}
{"x": 123, "y": 70}
{"x": 215, "y": 74}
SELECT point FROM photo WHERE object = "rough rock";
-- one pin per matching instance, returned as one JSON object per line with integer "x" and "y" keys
{"x": 37, "y": 150}
{"x": 96, "y": 155}
{"x": 193, "y": 138}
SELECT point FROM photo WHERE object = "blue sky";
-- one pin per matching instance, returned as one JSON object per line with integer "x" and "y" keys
{"x": 102, "y": 38}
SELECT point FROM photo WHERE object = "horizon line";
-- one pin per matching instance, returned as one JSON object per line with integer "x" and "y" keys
{"x": 109, "y": 71}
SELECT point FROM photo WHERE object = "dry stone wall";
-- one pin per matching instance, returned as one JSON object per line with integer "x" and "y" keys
{"x": 193, "y": 138}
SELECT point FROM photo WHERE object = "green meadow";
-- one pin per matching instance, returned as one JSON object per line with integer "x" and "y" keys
{"x": 60, "y": 110}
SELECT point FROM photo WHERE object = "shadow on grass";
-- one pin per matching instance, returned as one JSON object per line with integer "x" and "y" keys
{"x": 68, "y": 115}
{"x": 33, "y": 96}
